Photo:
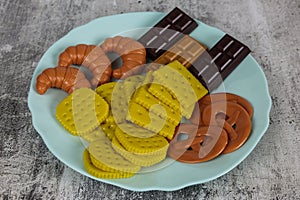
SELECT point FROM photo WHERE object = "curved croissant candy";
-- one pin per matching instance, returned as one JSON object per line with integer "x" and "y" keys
{"x": 67, "y": 79}
{"x": 90, "y": 56}
{"x": 132, "y": 52}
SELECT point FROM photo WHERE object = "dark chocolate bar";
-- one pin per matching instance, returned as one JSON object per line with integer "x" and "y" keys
{"x": 206, "y": 71}
{"x": 227, "y": 54}
{"x": 167, "y": 32}
{"x": 224, "y": 57}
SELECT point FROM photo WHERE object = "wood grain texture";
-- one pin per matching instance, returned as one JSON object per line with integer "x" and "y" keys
{"x": 271, "y": 29}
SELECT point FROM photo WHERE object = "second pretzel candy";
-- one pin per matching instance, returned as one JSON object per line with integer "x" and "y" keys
{"x": 94, "y": 58}
{"x": 90, "y": 56}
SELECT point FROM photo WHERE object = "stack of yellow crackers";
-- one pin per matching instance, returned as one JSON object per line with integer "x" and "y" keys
{"x": 129, "y": 124}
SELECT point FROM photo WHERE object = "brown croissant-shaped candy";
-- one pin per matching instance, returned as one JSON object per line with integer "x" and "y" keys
{"x": 67, "y": 79}
{"x": 132, "y": 52}
{"x": 90, "y": 56}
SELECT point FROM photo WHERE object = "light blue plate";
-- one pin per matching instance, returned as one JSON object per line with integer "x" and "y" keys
{"x": 247, "y": 80}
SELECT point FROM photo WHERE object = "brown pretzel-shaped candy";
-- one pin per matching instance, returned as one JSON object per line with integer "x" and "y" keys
{"x": 67, "y": 79}
{"x": 233, "y": 118}
{"x": 202, "y": 144}
{"x": 212, "y": 98}
{"x": 132, "y": 52}
{"x": 90, "y": 56}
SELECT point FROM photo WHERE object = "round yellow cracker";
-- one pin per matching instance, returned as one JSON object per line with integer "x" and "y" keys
{"x": 119, "y": 103}
{"x": 106, "y": 90}
{"x": 82, "y": 111}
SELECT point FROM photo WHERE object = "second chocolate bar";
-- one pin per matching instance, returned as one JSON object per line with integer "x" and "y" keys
{"x": 213, "y": 67}
{"x": 227, "y": 54}
{"x": 167, "y": 32}
{"x": 206, "y": 71}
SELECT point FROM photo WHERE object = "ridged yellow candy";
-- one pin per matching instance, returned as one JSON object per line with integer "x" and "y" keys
{"x": 142, "y": 117}
{"x": 147, "y": 100}
{"x": 106, "y": 90}
{"x": 96, "y": 134}
{"x": 94, "y": 171}
{"x": 135, "y": 130}
{"x": 161, "y": 93}
{"x": 104, "y": 157}
{"x": 131, "y": 84}
{"x": 119, "y": 103}
{"x": 187, "y": 89}
{"x": 109, "y": 129}
{"x": 155, "y": 144}
{"x": 144, "y": 160}
{"x": 109, "y": 124}
{"x": 110, "y": 119}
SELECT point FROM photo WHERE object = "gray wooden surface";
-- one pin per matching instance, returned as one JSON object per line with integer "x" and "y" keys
{"x": 29, "y": 27}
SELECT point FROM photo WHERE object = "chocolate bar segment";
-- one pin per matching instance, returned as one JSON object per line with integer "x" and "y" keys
{"x": 227, "y": 54}
{"x": 186, "y": 51}
{"x": 213, "y": 67}
{"x": 167, "y": 32}
{"x": 206, "y": 71}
